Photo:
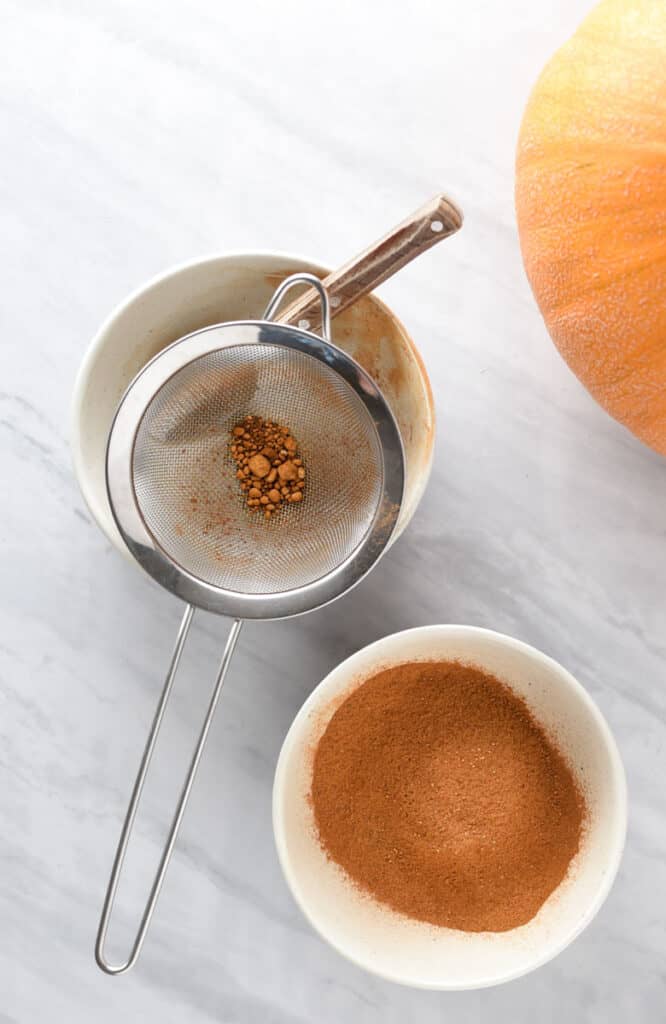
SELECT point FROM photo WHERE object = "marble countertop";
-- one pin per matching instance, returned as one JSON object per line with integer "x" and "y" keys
{"x": 140, "y": 135}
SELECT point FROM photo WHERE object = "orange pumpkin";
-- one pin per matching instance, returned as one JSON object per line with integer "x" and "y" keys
{"x": 591, "y": 206}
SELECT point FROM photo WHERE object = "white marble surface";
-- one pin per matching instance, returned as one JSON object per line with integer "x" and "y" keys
{"x": 136, "y": 135}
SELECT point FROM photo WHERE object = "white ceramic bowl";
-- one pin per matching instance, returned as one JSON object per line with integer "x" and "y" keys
{"x": 238, "y": 286}
{"x": 421, "y": 955}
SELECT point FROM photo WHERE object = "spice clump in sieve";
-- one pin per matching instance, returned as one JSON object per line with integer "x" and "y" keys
{"x": 270, "y": 468}
{"x": 441, "y": 796}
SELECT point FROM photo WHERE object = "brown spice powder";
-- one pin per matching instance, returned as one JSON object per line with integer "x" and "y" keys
{"x": 440, "y": 795}
{"x": 269, "y": 465}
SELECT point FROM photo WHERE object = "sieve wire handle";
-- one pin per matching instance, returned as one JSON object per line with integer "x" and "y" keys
{"x": 182, "y": 800}
{"x": 436, "y": 220}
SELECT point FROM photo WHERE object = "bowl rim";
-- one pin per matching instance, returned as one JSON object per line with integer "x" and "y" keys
{"x": 618, "y": 781}
{"x": 100, "y": 513}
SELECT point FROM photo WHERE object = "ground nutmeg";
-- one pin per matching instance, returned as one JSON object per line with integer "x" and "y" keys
{"x": 440, "y": 795}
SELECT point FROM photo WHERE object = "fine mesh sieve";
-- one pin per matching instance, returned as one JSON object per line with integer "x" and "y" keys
{"x": 178, "y": 506}
{"x": 172, "y": 484}
{"x": 177, "y": 502}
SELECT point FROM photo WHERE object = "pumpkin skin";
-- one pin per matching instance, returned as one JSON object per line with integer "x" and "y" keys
{"x": 591, "y": 208}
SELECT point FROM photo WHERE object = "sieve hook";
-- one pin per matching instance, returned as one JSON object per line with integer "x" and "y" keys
{"x": 302, "y": 278}
{"x": 182, "y": 800}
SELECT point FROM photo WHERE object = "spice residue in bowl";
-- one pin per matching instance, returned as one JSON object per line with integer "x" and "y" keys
{"x": 440, "y": 795}
{"x": 269, "y": 466}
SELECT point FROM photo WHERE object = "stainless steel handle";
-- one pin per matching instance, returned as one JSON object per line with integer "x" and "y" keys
{"x": 182, "y": 800}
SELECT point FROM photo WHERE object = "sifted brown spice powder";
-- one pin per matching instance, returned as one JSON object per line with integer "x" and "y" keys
{"x": 440, "y": 795}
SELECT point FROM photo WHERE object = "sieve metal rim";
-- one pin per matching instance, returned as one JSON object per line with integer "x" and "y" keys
{"x": 130, "y": 521}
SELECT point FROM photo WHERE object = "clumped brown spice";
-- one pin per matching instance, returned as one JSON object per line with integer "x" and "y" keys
{"x": 269, "y": 466}
{"x": 440, "y": 795}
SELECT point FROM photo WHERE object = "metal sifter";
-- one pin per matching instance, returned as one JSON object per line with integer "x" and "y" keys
{"x": 175, "y": 497}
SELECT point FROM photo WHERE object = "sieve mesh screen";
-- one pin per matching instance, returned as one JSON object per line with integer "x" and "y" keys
{"x": 184, "y": 475}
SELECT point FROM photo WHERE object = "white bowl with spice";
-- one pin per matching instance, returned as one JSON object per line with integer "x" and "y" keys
{"x": 238, "y": 286}
{"x": 407, "y": 859}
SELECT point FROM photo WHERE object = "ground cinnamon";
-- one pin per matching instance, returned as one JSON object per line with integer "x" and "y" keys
{"x": 440, "y": 795}
{"x": 269, "y": 466}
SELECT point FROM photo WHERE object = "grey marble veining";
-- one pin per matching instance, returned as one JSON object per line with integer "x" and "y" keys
{"x": 139, "y": 135}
